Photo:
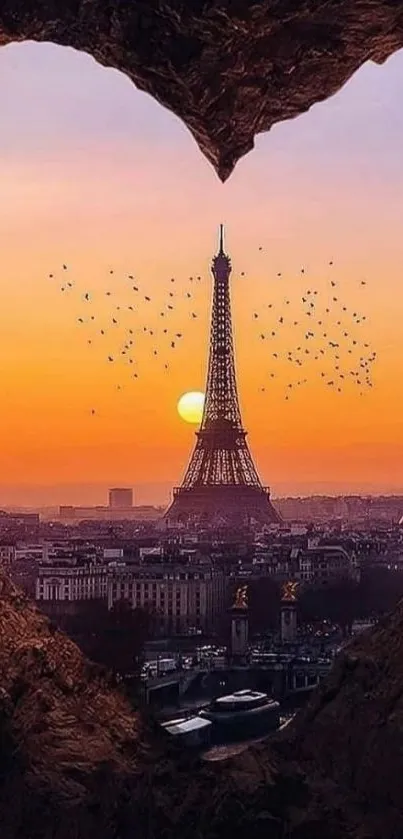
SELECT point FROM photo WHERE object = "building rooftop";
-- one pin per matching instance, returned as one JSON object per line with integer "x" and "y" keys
{"x": 242, "y": 697}
{"x": 184, "y": 726}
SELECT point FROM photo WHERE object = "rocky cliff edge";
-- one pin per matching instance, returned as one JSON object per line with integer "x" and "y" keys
{"x": 75, "y": 761}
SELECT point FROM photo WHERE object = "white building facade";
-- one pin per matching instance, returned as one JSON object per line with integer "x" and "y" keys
{"x": 179, "y": 596}
{"x": 87, "y": 582}
{"x": 7, "y": 554}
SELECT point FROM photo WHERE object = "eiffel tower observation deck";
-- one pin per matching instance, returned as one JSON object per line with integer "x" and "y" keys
{"x": 221, "y": 485}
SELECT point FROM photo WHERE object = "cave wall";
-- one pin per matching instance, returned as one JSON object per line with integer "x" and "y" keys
{"x": 228, "y": 68}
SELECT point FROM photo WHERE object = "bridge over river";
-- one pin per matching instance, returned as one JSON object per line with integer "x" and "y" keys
{"x": 283, "y": 681}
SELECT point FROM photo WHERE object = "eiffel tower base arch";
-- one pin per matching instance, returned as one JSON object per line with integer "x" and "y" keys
{"x": 237, "y": 506}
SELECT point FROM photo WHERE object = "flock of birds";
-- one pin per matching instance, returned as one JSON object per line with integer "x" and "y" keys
{"x": 327, "y": 343}
{"x": 120, "y": 319}
{"x": 322, "y": 332}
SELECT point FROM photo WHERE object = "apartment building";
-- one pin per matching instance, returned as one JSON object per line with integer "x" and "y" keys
{"x": 180, "y": 595}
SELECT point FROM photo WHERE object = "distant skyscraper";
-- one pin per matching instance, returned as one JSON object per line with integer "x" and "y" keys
{"x": 221, "y": 484}
{"x": 120, "y": 497}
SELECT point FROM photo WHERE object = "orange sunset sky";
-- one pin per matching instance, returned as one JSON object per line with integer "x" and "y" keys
{"x": 97, "y": 175}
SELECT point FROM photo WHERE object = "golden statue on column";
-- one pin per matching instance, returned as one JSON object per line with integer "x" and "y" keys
{"x": 241, "y": 598}
{"x": 289, "y": 592}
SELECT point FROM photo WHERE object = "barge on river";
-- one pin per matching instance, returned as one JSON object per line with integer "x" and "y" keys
{"x": 242, "y": 715}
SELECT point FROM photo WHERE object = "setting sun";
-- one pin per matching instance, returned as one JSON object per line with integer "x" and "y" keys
{"x": 190, "y": 407}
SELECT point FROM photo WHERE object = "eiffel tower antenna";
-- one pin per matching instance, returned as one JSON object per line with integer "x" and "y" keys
{"x": 221, "y": 482}
{"x": 221, "y": 249}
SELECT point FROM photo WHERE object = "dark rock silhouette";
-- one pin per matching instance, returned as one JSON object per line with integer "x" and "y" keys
{"x": 75, "y": 760}
{"x": 228, "y": 68}
{"x": 352, "y": 729}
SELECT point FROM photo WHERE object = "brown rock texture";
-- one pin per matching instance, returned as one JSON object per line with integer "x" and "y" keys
{"x": 229, "y": 69}
{"x": 75, "y": 761}
{"x": 352, "y": 730}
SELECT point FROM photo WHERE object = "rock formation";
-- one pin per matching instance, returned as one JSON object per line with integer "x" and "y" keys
{"x": 228, "y": 68}
{"x": 352, "y": 730}
{"x": 75, "y": 761}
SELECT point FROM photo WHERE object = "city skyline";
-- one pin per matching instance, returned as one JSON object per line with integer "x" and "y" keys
{"x": 103, "y": 178}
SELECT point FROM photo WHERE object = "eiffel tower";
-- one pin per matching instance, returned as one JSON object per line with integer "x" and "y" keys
{"x": 221, "y": 485}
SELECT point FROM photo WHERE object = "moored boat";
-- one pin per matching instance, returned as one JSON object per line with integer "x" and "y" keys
{"x": 243, "y": 714}
{"x": 189, "y": 731}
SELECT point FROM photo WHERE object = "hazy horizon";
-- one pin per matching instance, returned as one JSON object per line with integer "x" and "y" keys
{"x": 159, "y": 494}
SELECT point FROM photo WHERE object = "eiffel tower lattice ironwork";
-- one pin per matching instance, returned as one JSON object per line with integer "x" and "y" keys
{"x": 221, "y": 482}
